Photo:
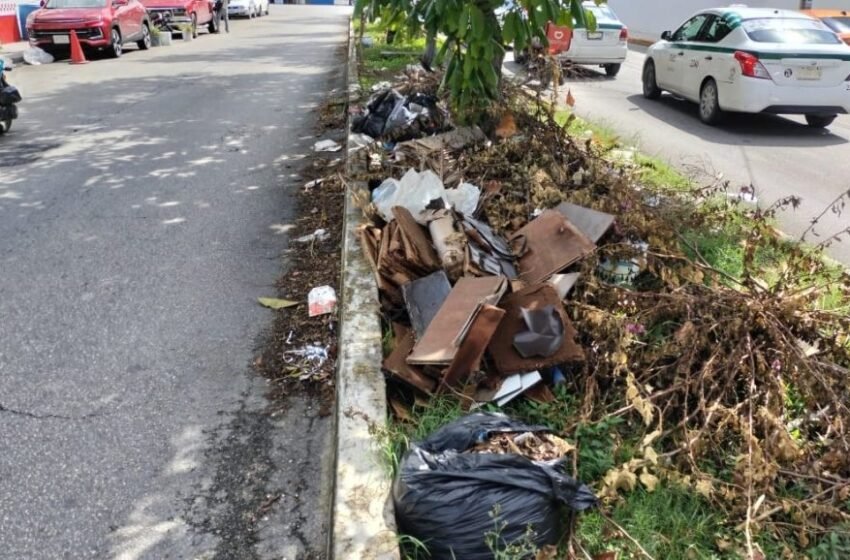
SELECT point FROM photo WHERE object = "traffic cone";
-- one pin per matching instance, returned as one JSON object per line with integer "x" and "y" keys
{"x": 77, "y": 55}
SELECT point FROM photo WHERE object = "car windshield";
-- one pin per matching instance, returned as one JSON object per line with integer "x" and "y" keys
{"x": 601, "y": 12}
{"x": 838, "y": 24}
{"x": 790, "y": 31}
{"x": 56, "y": 4}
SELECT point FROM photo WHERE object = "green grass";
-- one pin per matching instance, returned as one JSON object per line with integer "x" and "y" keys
{"x": 653, "y": 172}
{"x": 384, "y": 61}
{"x": 670, "y": 523}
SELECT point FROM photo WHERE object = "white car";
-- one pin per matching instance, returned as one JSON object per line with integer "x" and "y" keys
{"x": 247, "y": 8}
{"x": 606, "y": 47}
{"x": 752, "y": 60}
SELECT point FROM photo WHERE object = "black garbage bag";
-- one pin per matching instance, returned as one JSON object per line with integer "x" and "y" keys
{"x": 447, "y": 498}
{"x": 378, "y": 112}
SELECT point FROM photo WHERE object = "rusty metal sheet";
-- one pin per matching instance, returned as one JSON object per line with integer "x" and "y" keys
{"x": 450, "y": 326}
{"x": 592, "y": 223}
{"x": 506, "y": 359}
{"x": 548, "y": 244}
{"x": 467, "y": 360}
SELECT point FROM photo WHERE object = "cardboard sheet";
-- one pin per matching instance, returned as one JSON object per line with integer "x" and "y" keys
{"x": 397, "y": 365}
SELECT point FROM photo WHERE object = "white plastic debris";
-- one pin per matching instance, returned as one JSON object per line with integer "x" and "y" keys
{"x": 318, "y": 235}
{"x": 624, "y": 271}
{"x": 311, "y": 354}
{"x": 312, "y": 184}
{"x": 746, "y": 194}
{"x": 35, "y": 56}
{"x": 380, "y": 86}
{"x": 414, "y": 191}
{"x": 321, "y": 301}
{"x": 367, "y": 41}
{"x": 359, "y": 141}
{"x": 326, "y": 146}
{"x": 464, "y": 198}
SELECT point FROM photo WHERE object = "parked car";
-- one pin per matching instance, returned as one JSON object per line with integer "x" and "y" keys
{"x": 172, "y": 15}
{"x": 607, "y": 46}
{"x": 99, "y": 24}
{"x": 752, "y": 60}
{"x": 247, "y": 8}
{"x": 837, "y": 20}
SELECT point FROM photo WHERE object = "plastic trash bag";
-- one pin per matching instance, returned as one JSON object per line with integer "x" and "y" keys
{"x": 35, "y": 56}
{"x": 446, "y": 498}
{"x": 464, "y": 198}
{"x": 415, "y": 191}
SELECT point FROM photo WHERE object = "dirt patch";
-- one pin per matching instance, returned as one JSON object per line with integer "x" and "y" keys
{"x": 301, "y": 353}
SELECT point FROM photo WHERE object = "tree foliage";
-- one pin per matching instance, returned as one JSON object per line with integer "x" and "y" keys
{"x": 476, "y": 32}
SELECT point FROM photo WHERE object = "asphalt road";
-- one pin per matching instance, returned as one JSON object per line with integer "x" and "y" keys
{"x": 778, "y": 155}
{"x": 144, "y": 204}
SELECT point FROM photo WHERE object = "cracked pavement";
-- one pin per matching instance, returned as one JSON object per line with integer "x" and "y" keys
{"x": 144, "y": 205}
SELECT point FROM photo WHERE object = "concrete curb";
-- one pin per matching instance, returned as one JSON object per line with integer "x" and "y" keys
{"x": 363, "y": 524}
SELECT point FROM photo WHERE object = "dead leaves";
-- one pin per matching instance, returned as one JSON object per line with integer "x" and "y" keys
{"x": 276, "y": 303}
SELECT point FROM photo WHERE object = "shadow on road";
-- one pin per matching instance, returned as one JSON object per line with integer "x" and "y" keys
{"x": 736, "y": 128}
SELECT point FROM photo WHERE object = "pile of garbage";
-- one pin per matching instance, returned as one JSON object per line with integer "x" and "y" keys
{"x": 517, "y": 260}
{"x": 391, "y": 116}
{"x": 474, "y": 312}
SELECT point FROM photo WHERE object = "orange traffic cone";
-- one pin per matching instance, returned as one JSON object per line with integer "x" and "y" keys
{"x": 77, "y": 56}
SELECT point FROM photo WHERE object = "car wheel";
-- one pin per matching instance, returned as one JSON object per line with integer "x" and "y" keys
{"x": 116, "y": 47}
{"x": 5, "y": 126}
{"x": 820, "y": 121}
{"x": 145, "y": 42}
{"x": 194, "y": 26}
{"x": 650, "y": 86}
{"x": 214, "y": 26}
{"x": 709, "y": 103}
{"x": 612, "y": 70}
{"x": 520, "y": 57}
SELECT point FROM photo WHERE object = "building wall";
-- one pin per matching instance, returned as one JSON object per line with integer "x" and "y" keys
{"x": 646, "y": 19}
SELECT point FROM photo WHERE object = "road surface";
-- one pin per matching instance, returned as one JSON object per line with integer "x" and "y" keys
{"x": 143, "y": 209}
{"x": 780, "y": 156}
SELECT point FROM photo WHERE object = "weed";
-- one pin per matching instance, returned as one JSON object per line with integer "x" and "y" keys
{"x": 833, "y": 546}
{"x": 412, "y": 548}
{"x": 555, "y": 415}
{"x": 670, "y": 523}
{"x": 596, "y": 447}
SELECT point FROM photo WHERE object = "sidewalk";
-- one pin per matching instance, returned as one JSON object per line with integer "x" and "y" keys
{"x": 14, "y": 51}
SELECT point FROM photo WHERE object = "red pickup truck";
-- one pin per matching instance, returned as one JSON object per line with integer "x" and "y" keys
{"x": 172, "y": 15}
{"x": 99, "y": 24}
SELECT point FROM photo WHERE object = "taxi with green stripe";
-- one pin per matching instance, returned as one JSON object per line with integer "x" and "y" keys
{"x": 752, "y": 60}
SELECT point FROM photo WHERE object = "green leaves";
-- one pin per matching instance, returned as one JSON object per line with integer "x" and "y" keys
{"x": 475, "y": 37}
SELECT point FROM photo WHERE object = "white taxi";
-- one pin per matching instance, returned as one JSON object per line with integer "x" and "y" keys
{"x": 752, "y": 60}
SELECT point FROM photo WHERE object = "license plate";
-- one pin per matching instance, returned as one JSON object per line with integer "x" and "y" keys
{"x": 595, "y": 36}
{"x": 61, "y": 39}
{"x": 808, "y": 73}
